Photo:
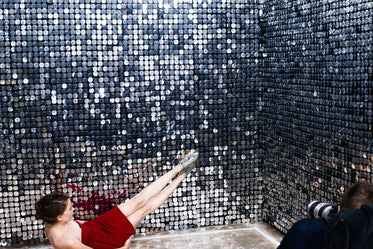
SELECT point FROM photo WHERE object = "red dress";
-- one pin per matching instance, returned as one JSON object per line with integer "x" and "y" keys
{"x": 107, "y": 231}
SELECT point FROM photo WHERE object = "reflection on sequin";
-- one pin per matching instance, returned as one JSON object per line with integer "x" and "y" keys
{"x": 102, "y": 94}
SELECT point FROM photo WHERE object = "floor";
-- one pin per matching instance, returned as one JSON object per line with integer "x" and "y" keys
{"x": 253, "y": 236}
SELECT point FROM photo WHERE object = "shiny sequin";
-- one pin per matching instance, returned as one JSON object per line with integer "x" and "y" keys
{"x": 98, "y": 97}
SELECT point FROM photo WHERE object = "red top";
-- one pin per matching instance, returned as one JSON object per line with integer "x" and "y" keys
{"x": 107, "y": 231}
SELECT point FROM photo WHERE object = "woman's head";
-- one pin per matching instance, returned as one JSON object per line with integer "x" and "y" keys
{"x": 50, "y": 207}
{"x": 357, "y": 195}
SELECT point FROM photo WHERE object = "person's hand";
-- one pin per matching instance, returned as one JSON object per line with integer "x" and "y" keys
{"x": 127, "y": 244}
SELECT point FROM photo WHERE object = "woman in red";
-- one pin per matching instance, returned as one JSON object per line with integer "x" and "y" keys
{"x": 115, "y": 228}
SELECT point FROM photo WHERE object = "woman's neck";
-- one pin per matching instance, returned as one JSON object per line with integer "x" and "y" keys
{"x": 54, "y": 227}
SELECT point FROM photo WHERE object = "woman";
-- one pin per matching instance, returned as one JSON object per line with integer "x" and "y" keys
{"x": 115, "y": 228}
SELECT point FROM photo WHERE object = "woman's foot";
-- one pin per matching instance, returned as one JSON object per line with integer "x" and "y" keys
{"x": 189, "y": 161}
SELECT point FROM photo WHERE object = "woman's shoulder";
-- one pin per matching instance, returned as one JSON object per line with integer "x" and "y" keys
{"x": 65, "y": 240}
{"x": 61, "y": 237}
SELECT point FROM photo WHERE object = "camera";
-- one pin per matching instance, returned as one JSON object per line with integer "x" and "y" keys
{"x": 321, "y": 209}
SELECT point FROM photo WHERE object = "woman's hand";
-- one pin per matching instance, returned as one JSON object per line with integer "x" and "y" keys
{"x": 127, "y": 244}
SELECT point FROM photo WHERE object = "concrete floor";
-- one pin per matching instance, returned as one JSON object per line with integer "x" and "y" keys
{"x": 253, "y": 236}
{"x": 240, "y": 236}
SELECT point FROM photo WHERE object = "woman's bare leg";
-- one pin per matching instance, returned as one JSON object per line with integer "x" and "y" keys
{"x": 157, "y": 201}
{"x": 149, "y": 192}
{"x": 141, "y": 199}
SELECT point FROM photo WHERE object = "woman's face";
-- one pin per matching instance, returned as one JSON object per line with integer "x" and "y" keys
{"x": 68, "y": 215}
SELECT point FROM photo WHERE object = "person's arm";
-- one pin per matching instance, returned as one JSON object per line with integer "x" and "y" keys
{"x": 127, "y": 244}
{"x": 70, "y": 243}
{"x": 73, "y": 243}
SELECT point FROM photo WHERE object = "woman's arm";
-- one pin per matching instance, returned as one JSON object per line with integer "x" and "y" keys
{"x": 70, "y": 243}
{"x": 73, "y": 243}
{"x": 127, "y": 244}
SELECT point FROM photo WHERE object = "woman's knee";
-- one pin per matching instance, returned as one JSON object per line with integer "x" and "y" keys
{"x": 133, "y": 205}
{"x": 139, "y": 200}
{"x": 136, "y": 217}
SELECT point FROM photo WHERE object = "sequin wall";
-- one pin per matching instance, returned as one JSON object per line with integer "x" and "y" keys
{"x": 318, "y": 97}
{"x": 98, "y": 98}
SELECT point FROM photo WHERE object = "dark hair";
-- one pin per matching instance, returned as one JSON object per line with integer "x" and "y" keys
{"x": 357, "y": 195}
{"x": 50, "y": 206}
